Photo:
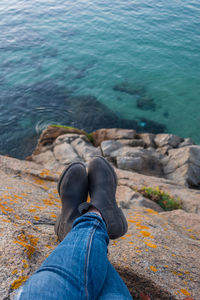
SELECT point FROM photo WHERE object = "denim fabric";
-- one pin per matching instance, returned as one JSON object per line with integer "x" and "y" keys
{"x": 78, "y": 268}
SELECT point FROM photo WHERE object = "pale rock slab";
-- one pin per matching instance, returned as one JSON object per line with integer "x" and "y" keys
{"x": 47, "y": 159}
{"x": 65, "y": 153}
{"x": 186, "y": 142}
{"x": 107, "y": 147}
{"x": 148, "y": 139}
{"x": 163, "y": 139}
{"x": 112, "y": 134}
{"x": 137, "y": 159}
{"x": 183, "y": 165}
{"x": 66, "y": 138}
{"x": 132, "y": 142}
{"x": 85, "y": 149}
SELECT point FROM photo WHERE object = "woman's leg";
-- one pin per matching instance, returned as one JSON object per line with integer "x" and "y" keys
{"x": 114, "y": 287}
{"x": 77, "y": 268}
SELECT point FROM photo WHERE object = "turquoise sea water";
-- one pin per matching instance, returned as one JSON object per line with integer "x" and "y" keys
{"x": 95, "y": 64}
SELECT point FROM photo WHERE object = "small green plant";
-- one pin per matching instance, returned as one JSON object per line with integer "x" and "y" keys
{"x": 166, "y": 201}
{"x": 90, "y": 137}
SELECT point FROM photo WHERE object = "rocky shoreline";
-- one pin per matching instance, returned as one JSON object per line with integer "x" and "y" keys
{"x": 161, "y": 155}
{"x": 158, "y": 257}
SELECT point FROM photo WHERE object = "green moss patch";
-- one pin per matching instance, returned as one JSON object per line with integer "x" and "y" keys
{"x": 63, "y": 126}
{"x": 89, "y": 135}
{"x": 166, "y": 201}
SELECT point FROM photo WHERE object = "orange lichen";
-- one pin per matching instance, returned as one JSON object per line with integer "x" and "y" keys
{"x": 48, "y": 202}
{"x": 9, "y": 209}
{"x": 150, "y": 245}
{"x": 31, "y": 210}
{"x": 139, "y": 226}
{"x": 29, "y": 243}
{"x": 45, "y": 172}
{"x": 24, "y": 194}
{"x": 51, "y": 196}
{"x": 25, "y": 266}
{"x": 17, "y": 197}
{"x": 14, "y": 272}
{"x": 48, "y": 246}
{"x": 154, "y": 269}
{"x": 6, "y": 221}
{"x": 146, "y": 234}
{"x": 151, "y": 211}
{"x": 39, "y": 181}
{"x": 185, "y": 292}
{"x": 36, "y": 218}
{"x": 18, "y": 282}
{"x": 177, "y": 273}
{"x": 53, "y": 215}
{"x": 45, "y": 187}
{"x": 192, "y": 237}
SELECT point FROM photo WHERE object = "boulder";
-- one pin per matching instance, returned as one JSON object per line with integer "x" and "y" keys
{"x": 84, "y": 148}
{"x": 125, "y": 195}
{"x": 171, "y": 140}
{"x": 183, "y": 165}
{"x": 50, "y": 134}
{"x": 65, "y": 153}
{"x": 109, "y": 146}
{"x": 66, "y": 138}
{"x": 112, "y": 134}
{"x": 46, "y": 159}
{"x": 128, "y": 198}
{"x": 144, "y": 202}
{"x": 148, "y": 139}
{"x": 132, "y": 142}
{"x": 164, "y": 150}
{"x": 186, "y": 142}
{"x": 137, "y": 159}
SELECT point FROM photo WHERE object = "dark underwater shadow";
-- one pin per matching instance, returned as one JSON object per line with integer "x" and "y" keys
{"x": 27, "y": 110}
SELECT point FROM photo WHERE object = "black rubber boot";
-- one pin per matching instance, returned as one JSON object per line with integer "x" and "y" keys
{"x": 73, "y": 190}
{"x": 102, "y": 181}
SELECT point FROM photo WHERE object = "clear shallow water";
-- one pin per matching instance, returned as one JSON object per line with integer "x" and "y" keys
{"x": 65, "y": 62}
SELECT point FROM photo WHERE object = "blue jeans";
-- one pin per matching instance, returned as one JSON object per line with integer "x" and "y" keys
{"x": 78, "y": 268}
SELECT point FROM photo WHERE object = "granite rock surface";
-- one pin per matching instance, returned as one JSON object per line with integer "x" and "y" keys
{"x": 158, "y": 257}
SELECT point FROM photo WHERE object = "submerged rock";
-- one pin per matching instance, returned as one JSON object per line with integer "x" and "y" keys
{"x": 146, "y": 125}
{"x": 146, "y": 103}
{"x": 126, "y": 87}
